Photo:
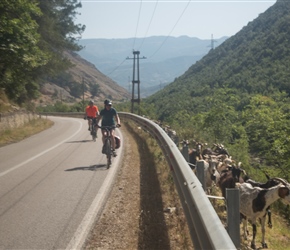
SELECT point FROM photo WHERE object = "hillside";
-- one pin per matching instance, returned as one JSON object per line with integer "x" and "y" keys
{"x": 254, "y": 61}
{"x": 108, "y": 88}
{"x": 238, "y": 94}
{"x": 87, "y": 73}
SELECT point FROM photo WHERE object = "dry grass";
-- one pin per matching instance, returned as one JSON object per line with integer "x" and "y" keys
{"x": 15, "y": 135}
{"x": 277, "y": 237}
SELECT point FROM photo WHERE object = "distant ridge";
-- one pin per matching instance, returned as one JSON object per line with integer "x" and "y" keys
{"x": 164, "y": 61}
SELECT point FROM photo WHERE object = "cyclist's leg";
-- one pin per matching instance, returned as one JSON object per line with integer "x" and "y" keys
{"x": 113, "y": 139}
{"x": 89, "y": 122}
{"x": 104, "y": 133}
{"x": 113, "y": 142}
{"x": 94, "y": 123}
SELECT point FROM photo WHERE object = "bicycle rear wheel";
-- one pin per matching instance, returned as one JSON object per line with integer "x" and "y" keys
{"x": 108, "y": 153}
{"x": 93, "y": 133}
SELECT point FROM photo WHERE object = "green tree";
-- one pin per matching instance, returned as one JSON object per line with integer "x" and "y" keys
{"x": 20, "y": 53}
{"x": 94, "y": 89}
{"x": 76, "y": 89}
{"x": 34, "y": 37}
{"x": 58, "y": 33}
{"x": 268, "y": 131}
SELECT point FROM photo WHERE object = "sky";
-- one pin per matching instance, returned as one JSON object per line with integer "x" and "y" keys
{"x": 204, "y": 19}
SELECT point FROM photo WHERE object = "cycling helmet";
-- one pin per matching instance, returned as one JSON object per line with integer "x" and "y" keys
{"x": 91, "y": 102}
{"x": 108, "y": 102}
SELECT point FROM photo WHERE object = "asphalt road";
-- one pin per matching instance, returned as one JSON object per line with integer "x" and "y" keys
{"x": 53, "y": 186}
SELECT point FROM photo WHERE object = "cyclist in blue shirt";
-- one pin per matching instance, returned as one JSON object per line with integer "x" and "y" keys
{"x": 110, "y": 117}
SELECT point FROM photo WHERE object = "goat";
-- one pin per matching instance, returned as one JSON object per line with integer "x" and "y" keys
{"x": 208, "y": 151}
{"x": 237, "y": 170}
{"x": 254, "y": 202}
{"x": 210, "y": 174}
{"x": 229, "y": 177}
{"x": 195, "y": 154}
{"x": 225, "y": 162}
{"x": 218, "y": 150}
{"x": 171, "y": 133}
{"x": 271, "y": 182}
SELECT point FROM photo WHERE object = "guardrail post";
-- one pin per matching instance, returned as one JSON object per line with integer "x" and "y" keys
{"x": 200, "y": 166}
{"x": 185, "y": 152}
{"x": 233, "y": 215}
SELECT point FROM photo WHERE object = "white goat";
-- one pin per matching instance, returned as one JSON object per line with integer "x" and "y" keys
{"x": 225, "y": 162}
{"x": 254, "y": 202}
{"x": 210, "y": 175}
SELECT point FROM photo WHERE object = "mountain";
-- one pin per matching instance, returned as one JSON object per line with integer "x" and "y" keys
{"x": 165, "y": 58}
{"x": 83, "y": 76}
{"x": 254, "y": 61}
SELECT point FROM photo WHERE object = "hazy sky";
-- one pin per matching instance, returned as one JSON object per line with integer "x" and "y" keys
{"x": 144, "y": 18}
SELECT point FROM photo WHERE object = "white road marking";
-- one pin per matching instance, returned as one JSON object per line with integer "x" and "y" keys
{"x": 95, "y": 209}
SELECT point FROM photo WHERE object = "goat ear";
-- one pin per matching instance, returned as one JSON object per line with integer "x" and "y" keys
{"x": 283, "y": 192}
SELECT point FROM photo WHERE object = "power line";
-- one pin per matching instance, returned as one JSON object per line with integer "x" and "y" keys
{"x": 116, "y": 67}
{"x": 149, "y": 24}
{"x": 137, "y": 24}
{"x": 171, "y": 29}
{"x": 148, "y": 29}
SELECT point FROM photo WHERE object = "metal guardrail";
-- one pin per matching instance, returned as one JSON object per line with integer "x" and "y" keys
{"x": 206, "y": 229}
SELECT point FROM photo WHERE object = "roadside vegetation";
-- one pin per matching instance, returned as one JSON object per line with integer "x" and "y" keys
{"x": 17, "y": 134}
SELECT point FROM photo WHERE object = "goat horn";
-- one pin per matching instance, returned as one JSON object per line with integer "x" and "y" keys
{"x": 281, "y": 180}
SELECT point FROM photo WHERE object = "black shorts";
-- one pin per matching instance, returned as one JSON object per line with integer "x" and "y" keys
{"x": 94, "y": 119}
{"x": 108, "y": 126}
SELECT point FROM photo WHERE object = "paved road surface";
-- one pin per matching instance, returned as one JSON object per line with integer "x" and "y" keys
{"x": 52, "y": 186}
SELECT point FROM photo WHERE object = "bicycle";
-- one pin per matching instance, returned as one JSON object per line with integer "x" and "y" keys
{"x": 107, "y": 147}
{"x": 93, "y": 124}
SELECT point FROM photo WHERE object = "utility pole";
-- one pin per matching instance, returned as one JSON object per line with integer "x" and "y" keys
{"x": 136, "y": 80}
{"x": 212, "y": 42}
{"x": 129, "y": 84}
{"x": 83, "y": 82}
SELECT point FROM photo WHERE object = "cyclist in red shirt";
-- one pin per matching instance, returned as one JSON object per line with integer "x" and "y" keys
{"x": 92, "y": 113}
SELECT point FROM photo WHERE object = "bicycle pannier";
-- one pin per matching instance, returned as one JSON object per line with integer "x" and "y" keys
{"x": 118, "y": 141}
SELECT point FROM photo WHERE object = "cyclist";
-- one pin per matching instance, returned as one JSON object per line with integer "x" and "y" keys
{"x": 92, "y": 112}
{"x": 110, "y": 117}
